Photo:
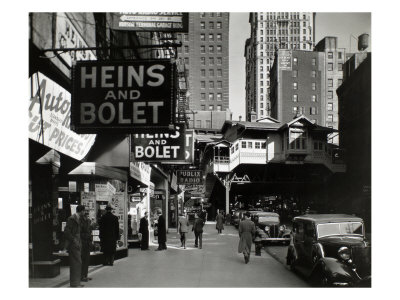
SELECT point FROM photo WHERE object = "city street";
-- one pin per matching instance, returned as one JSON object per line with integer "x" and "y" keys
{"x": 216, "y": 265}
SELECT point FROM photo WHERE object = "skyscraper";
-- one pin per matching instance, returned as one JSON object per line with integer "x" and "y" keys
{"x": 271, "y": 31}
{"x": 205, "y": 51}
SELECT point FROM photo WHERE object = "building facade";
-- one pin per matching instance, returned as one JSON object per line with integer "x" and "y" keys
{"x": 205, "y": 51}
{"x": 271, "y": 31}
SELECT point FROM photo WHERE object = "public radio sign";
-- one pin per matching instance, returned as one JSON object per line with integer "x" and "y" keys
{"x": 190, "y": 177}
{"x": 122, "y": 96}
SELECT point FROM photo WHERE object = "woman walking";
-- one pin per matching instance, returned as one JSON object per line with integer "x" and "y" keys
{"x": 183, "y": 229}
{"x": 220, "y": 222}
{"x": 247, "y": 231}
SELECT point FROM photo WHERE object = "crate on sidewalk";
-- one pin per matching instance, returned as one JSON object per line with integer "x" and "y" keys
{"x": 45, "y": 269}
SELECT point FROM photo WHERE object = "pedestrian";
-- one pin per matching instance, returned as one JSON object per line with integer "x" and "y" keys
{"x": 203, "y": 215}
{"x": 183, "y": 229}
{"x": 220, "y": 222}
{"x": 198, "y": 231}
{"x": 72, "y": 235}
{"x": 109, "y": 234}
{"x": 247, "y": 231}
{"x": 86, "y": 241}
{"x": 144, "y": 231}
{"x": 162, "y": 232}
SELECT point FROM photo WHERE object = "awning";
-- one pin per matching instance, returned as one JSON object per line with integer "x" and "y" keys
{"x": 95, "y": 169}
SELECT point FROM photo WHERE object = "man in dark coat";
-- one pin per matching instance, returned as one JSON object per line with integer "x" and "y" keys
{"x": 86, "y": 240}
{"x": 73, "y": 244}
{"x": 144, "y": 230}
{"x": 220, "y": 222}
{"x": 109, "y": 234}
{"x": 198, "y": 231}
{"x": 162, "y": 232}
{"x": 247, "y": 231}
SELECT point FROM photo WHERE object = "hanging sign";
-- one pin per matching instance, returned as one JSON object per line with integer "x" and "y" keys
{"x": 140, "y": 171}
{"x": 159, "y": 147}
{"x": 190, "y": 177}
{"x": 151, "y": 21}
{"x": 123, "y": 96}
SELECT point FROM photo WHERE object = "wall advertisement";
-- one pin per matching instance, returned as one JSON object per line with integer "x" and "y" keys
{"x": 49, "y": 118}
{"x": 140, "y": 171}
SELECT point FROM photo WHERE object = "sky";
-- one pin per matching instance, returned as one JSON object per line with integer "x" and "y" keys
{"x": 346, "y": 26}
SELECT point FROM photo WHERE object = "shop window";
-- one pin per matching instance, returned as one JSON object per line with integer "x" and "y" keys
{"x": 243, "y": 144}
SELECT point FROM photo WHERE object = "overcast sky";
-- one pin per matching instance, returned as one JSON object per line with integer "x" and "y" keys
{"x": 346, "y": 26}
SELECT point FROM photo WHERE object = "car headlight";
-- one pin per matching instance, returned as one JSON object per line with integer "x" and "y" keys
{"x": 266, "y": 228}
{"x": 282, "y": 228}
{"x": 344, "y": 253}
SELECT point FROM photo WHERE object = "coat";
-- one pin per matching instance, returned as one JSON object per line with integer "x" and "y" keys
{"x": 247, "y": 231}
{"x": 198, "y": 225}
{"x": 144, "y": 230}
{"x": 86, "y": 232}
{"x": 72, "y": 234}
{"x": 109, "y": 232}
{"x": 162, "y": 231}
{"x": 220, "y": 222}
{"x": 183, "y": 224}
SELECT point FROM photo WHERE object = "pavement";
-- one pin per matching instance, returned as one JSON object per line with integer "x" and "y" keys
{"x": 218, "y": 264}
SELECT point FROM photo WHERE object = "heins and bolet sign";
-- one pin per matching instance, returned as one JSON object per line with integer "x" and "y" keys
{"x": 122, "y": 95}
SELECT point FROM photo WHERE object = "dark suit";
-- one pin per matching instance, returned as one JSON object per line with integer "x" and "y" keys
{"x": 162, "y": 233}
{"x": 86, "y": 240}
{"x": 198, "y": 232}
{"x": 109, "y": 234}
{"x": 144, "y": 230}
{"x": 73, "y": 244}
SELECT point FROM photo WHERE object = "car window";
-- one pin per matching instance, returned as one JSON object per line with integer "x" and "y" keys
{"x": 345, "y": 228}
{"x": 300, "y": 231}
{"x": 309, "y": 230}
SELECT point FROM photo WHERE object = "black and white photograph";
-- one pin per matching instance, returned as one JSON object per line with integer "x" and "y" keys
{"x": 188, "y": 147}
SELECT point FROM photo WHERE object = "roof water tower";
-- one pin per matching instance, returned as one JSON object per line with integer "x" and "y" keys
{"x": 363, "y": 41}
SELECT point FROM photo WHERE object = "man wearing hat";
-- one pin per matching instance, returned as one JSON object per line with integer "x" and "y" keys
{"x": 73, "y": 244}
{"x": 109, "y": 235}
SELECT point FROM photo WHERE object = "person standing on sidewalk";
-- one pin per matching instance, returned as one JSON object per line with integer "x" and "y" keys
{"x": 109, "y": 234}
{"x": 198, "y": 231}
{"x": 72, "y": 235}
{"x": 183, "y": 229}
{"x": 220, "y": 222}
{"x": 144, "y": 231}
{"x": 86, "y": 240}
{"x": 162, "y": 232}
{"x": 247, "y": 231}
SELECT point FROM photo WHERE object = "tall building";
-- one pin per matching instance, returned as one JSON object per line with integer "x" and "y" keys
{"x": 205, "y": 51}
{"x": 271, "y": 31}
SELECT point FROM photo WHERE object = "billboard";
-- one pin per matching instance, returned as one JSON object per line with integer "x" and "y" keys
{"x": 160, "y": 147}
{"x": 122, "y": 96}
{"x": 151, "y": 21}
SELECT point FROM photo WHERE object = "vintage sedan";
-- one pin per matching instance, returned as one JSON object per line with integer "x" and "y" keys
{"x": 331, "y": 249}
{"x": 270, "y": 228}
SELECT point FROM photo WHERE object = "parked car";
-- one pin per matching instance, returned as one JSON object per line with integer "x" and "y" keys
{"x": 269, "y": 223}
{"x": 331, "y": 250}
{"x": 236, "y": 217}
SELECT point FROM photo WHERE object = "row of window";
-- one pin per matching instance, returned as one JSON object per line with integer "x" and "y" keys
{"x": 211, "y": 37}
{"x": 211, "y": 107}
{"x": 211, "y": 96}
{"x": 211, "y": 61}
{"x": 249, "y": 145}
{"x": 282, "y": 15}
{"x": 295, "y": 98}
{"x": 210, "y": 25}
{"x": 210, "y": 49}
{"x": 211, "y": 15}
{"x": 211, "y": 84}
{"x": 313, "y": 111}
{"x": 290, "y": 24}
{"x": 314, "y": 62}
{"x": 313, "y": 86}
{"x": 211, "y": 72}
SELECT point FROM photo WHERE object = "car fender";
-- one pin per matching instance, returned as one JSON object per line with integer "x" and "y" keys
{"x": 335, "y": 270}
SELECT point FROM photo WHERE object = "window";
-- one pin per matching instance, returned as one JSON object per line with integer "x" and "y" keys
{"x": 314, "y": 98}
{"x": 211, "y": 61}
{"x": 263, "y": 145}
{"x": 339, "y": 55}
{"x": 330, "y": 55}
{"x": 211, "y": 37}
{"x": 219, "y": 48}
{"x": 262, "y": 112}
{"x": 219, "y": 97}
{"x": 211, "y": 84}
{"x": 219, "y": 73}
{"x": 330, "y": 118}
{"x": 257, "y": 145}
{"x": 202, "y": 37}
{"x": 295, "y": 61}
{"x": 313, "y": 86}
{"x": 340, "y": 67}
{"x": 202, "y": 15}
{"x": 202, "y": 25}
{"x": 219, "y": 107}
{"x": 202, "y": 49}
{"x": 211, "y": 49}
{"x": 313, "y": 61}
{"x": 203, "y": 84}
{"x": 294, "y": 73}
{"x": 295, "y": 85}
{"x": 295, "y": 98}
{"x": 203, "y": 107}
{"x": 219, "y": 15}
{"x": 203, "y": 72}
{"x": 313, "y": 110}
{"x": 186, "y": 60}
{"x": 219, "y": 25}
{"x": 297, "y": 139}
{"x": 243, "y": 144}
{"x": 261, "y": 105}
{"x": 330, "y": 82}
{"x": 313, "y": 73}
{"x": 211, "y": 15}
{"x": 295, "y": 109}
{"x": 211, "y": 107}
{"x": 186, "y": 49}
{"x": 219, "y": 60}
{"x": 330, "y": 94}
{"x": 211, "y": 25}
{"x": 330, "y": 106}
{"x": 203, "y": 96}
{"x": 250, "y": 145}
{"x": 211, "y": 97}
{"x": 219, "y": 37}
{"x": 186, "y": 37}
{"x": 330, "y": 66}
{"x": 203, "y": 61}
{"x": 211, "y": 71}
{"x": 219, "y": 84}
{"x": 261, "y": 83}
